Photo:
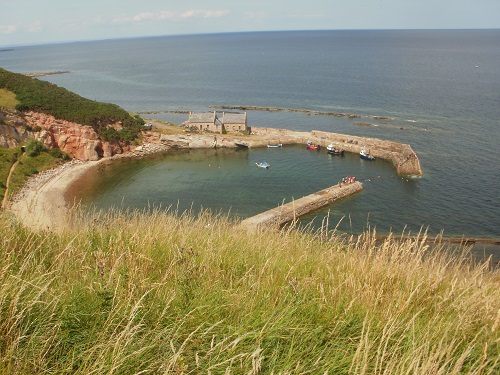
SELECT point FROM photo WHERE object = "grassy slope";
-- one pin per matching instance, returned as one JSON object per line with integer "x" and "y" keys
{"x": 42, "y": 96}
{"x": 158, "y": 294}
{"x": 8, "y": 99}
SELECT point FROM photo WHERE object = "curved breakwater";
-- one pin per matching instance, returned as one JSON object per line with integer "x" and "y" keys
{"x": 402, "y": 156}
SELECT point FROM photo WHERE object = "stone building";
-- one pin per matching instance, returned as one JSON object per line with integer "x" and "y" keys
{"x": 235, "y": 122}
{"x": 209, "y": 121}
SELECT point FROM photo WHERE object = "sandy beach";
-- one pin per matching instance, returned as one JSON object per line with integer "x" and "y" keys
{"x": 40, "y": 205}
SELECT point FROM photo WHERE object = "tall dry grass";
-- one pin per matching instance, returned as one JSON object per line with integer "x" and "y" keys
{"x": 151, "y": 293}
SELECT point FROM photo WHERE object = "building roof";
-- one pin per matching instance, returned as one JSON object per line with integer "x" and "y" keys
{"x": 234, "y": 118}
{"x": 202, "y": 117}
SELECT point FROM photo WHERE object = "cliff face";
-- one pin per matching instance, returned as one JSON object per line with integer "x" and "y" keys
{"x": 79, "y": 141}
{"x": 12, "y": 131}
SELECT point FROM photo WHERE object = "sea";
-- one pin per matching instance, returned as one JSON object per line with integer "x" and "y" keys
{"x": 437, "y": 90}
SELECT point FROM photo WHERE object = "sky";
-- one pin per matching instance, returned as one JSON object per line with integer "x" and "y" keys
{"x": 29, "y": 22}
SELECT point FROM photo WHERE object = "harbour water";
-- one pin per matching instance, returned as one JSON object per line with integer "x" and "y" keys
{"x": 440, "y": 91}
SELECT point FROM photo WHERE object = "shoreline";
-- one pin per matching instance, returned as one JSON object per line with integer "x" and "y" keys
{"x": 41, "y": 203}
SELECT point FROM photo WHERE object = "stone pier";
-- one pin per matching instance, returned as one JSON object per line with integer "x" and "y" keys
{"x": 286, "y": 213}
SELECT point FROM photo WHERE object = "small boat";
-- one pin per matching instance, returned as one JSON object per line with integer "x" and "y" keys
{"x": 363, "y": 154}
{"x": 331, "y": 149}
{"x": 262, "y": 165}
{"x": 275, "y": 145}
{"x": 241, "y": 145}
{"x": 312, "y": 146}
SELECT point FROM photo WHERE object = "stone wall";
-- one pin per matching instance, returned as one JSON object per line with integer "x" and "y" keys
{"x": 404, "y": 159}
{"x": 286, "y": 213}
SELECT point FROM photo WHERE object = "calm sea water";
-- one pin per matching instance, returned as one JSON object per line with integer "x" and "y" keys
{"x": 441, "y": 90}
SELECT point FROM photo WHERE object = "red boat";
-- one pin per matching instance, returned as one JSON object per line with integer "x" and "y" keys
{"x": 312, "y": 146}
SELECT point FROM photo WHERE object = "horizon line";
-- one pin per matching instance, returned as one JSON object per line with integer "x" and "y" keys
{"x": 10, "y": 46}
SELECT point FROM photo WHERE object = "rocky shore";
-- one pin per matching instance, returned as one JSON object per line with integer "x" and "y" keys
{"x": 43, "y": 74}
{"x": 306, "y": 111}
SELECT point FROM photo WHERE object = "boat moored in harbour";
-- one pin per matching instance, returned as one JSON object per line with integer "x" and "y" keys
{"x": 363, "y": 154}
{"x": 312, "y": 146}
{"x": 275, "y": 145}
{"x": 331, "y": 149}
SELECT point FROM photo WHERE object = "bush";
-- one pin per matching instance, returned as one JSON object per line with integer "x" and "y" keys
{"x": 58, "y": 153}
{"x": 109, "y": 134}
{"x": 34, "y": 147}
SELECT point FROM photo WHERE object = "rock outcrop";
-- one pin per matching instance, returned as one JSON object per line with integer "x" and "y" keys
{"x": 12, "y": 131}
{"x": 80, "y": 141}
{"x": 11, "y": 136}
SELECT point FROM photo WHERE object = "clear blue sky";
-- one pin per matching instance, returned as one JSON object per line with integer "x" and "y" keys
{"x": 46, "y": 21}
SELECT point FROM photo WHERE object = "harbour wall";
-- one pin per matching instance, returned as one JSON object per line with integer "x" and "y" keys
{"x": 402, "y": 156}
{"x": 404, "y": 159}
{"x": 276, "y": 217}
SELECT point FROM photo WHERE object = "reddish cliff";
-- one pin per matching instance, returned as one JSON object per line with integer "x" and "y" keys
{"x": 79, "y": 141}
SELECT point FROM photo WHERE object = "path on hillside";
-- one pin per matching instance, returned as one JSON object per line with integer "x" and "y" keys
{"x": 4, "y": 201}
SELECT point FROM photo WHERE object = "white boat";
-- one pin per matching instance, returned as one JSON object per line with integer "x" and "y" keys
{"x": 331, "y": 149}
{"x": 275, "y": 145}
{"x": 363, "y": 154}
{"x": 262, "y": 165}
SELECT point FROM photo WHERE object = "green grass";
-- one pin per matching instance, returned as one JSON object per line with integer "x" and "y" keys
{"x": 155, "y": 293}
{"x": 8, "y": 99}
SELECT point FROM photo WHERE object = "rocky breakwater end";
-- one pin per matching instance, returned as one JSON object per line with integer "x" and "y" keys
{"x": 404, "y": 159}
{"x": 286, "y": 213}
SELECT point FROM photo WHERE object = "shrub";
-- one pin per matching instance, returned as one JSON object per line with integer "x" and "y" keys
{"x": 58, "y": 153}
{"x": 34, "y": 147}
{"x": 109, "y": 134}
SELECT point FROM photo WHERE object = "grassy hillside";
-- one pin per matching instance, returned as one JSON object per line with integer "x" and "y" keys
{"x": 154, "y": 293}
{"x": 7, "y": 99}
{"x": 41, "y": 96}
